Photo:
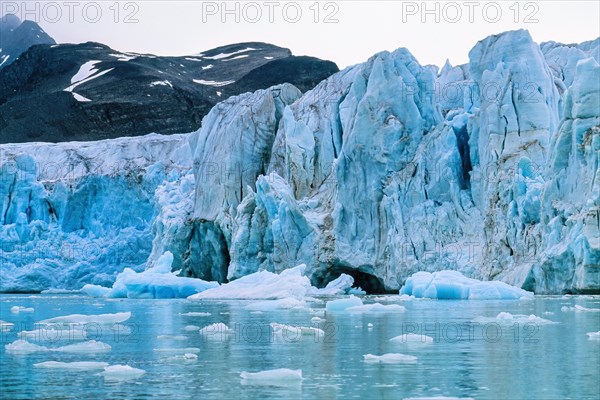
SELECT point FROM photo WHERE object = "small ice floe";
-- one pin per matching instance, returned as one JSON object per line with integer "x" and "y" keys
{"x": 412, "y": 340}
{"x": 191, "y": 328}
{"x": 376, "y": 308}
{"x": 24, "y": 347}
{"x": 316, "y": 320}
{"x": 506, "y": 318}
{"x": 295, "y": 333}
{"x": 121, "y": 373}
{"x": 77, "y": 366}
{"x": 369, "y": 326}
{"x": 172, "y": 337}
{"x": 273, "y": 377}
{"x": 186, "y": 358}
{"x": 6, "y": 326}
{"x": 340, "y": 305}
{"x": 181, "y": 350}
{"x": 196, "y": 314}
{"x": 578, "y": 309}
{"x": 389, "y": 358}
{"x": 20, "y": 309}
{"x": 217, "y": 331}
{"x": 438, "y": 398}
{"x": 81, "y": 319}
{"x": 593, "y": 335}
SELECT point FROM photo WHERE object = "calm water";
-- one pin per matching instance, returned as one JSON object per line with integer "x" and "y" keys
{"x": 516, "y": 362}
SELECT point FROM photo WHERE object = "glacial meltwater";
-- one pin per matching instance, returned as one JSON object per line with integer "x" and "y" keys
{"x": 529, "y": 349}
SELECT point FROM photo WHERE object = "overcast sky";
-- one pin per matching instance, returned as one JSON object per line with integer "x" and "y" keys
{"x": 347, "y": 32}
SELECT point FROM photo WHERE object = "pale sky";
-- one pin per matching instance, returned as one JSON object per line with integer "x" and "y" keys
{"x": 346, "y": 32}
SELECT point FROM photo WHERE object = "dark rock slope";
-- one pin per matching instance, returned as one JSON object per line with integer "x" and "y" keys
{"x": 89, "y": 91}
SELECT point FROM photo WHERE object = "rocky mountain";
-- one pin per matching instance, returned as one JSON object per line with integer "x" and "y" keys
{"x": 88, "y": 91}
{"x": 16, "y": 37}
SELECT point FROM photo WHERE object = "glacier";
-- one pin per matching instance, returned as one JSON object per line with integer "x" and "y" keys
{"x": 385, "y": 169}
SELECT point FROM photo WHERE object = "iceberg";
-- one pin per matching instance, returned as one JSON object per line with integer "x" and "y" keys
{"x": 341, "y": 305}
{"x": 593, "y": 335}
{"x": 376, "y": 308}
{"x": 20, "y": 309}
{"x": 273, "y": 377}
{"x": 81, "y": 319}
{"x": 157, "y": 282}
{"x": 455, "y": 286}
{"x": 389, "y": 358}
{"x": 295, "y": 333}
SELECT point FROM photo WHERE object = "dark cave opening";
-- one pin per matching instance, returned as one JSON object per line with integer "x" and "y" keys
{"x": 366, "y": 281}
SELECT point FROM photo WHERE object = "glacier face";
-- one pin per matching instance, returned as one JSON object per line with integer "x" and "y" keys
{"x": 382, "y": 170}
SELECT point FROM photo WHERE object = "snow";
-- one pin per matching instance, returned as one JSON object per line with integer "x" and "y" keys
{"x": 161, "y": 83}
{"x": 157, "y": 282}
{"x": 4, "y": 59}
{"x": 225, "y": 55}
{"x": 121, "y": 373}
{"x": 389, "y": 358}
{"x": 236, "y": 57}
{"x": 193, "y": 59}
{"x": 341, "y": 305}
{"x": 275, "y": 377}
{"x": 77, "y": 365}
{"x": 268, "y": 58}
{"x": 506, "y": 318}
{"x": 20, "y": 309}
{"x": 209, "y": 66}
{"x": 454, "y": 285}
{"x": 80, "y": 98}
{"x": 123, "y": 57}
{"x": 212, "y": 83}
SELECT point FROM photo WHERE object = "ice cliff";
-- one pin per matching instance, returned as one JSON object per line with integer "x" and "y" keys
{"x": 384, "y": 169}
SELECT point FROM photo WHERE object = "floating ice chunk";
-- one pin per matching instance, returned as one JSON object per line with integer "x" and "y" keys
{"x": 23, "y": 346}
{"x": 579, "y": 309}
{"x": 273, "y": 377}
{"x": 187, "y": 357}
{"x": 295, "y": 333}
{"x": 438, "y": 398}
{"x": 506, "y": 318}
{"x": 369, "y": 326}
{"x": 376, "y": 308}
{"x": 341, "y": 305}
{"x": 263, "y": 285}
{"x": 456, "y": 286}
{"x": 157, "y": 282}
{"x": 338, "y": 286}
{"x": 281, "y": 304}
{"x": 91, "y": 346}
{"x": 412, "y": 339}
{"x": 356, "y": 291}
{"x": 172, "y": 337}
{"x": 121, "y": 373}
{"x": 6, "y": 326}
{"x": 184, "y": 350}
{"x": 82, "y": 319}
{"x": 196, "y": 314}
{"x": 191, "y": 328}
{"x": 217, "y": 330}
{"x": 316, "y": 320}
{"x": 593, "y": 335}
{"x": 390, "y": 358}
{"x": 20, "y": 309}
{"x": 78, "y": 365}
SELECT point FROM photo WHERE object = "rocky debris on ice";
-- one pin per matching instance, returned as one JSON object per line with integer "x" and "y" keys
{"x": 454, "y": 285}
